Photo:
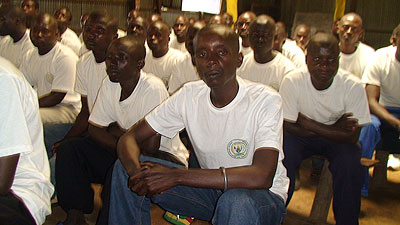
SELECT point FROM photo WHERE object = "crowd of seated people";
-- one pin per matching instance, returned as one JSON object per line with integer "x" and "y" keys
{"x": 110, "y": 107}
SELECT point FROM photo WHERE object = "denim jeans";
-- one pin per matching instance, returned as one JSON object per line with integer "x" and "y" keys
{"x": 235, "y": 206}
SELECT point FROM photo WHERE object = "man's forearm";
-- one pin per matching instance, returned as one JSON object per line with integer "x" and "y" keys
{"x": 382, "y": 113}
{"x": 53, "y": 99}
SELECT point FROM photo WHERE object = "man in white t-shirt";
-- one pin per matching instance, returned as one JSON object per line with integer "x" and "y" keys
{"x": 31, "y": 9}
{"x": 25, "y": 188}
{"x": 264, "y": 65}
{"x": 99, "y": 31}
{"x": 186, "y": 70}
{"x": 162, "y": 59}
{"x": 235, "y": 127}
{"x": 324, "y": 109}
{"x": 382, "y": 79}
{"x": 287, "y": 47}
{"x": 125, "y": 97}
{"x": 18, "y": 43}
{"x": 242, "y": 28}
{"x": 50, "y": 68}
{"x": 354, "y": 55}
{"x": 180, "y": 28}
{"x": 68, "y": 36}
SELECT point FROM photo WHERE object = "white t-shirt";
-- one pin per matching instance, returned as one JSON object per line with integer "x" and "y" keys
{"x": 148, "y": 93}
{"x": 182, "y": 73}
{"x": 346, "y": 94}
{"x": 356, "y": 62}
{"x": 83, "y": 50}
{"x": 21, "y": 133}
{"x": 294, "y": 53}
{"x": 53, "y": 71}
{"x": 15, "y": 51}
{"x": 384, "y": 72}
{"x": 89, "y": 77}
{"x": 162, "y": 67}
{"x": 270, "y": 73}
{"x": 245, "y": 50}
{"x": 178, "y": 46}
{"x": 70, "y": 39}
{"x": 226, "y": 136}
{"x": 121, "y": 33}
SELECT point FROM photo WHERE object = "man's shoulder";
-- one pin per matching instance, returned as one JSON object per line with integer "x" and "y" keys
{"x": 283, "y": 61}
{"x": 348, "y": 79}
{"x": 366, "y": 48}
{"x": 256, "y": 90}
{"x": 150, "y": 82}
{"x": 86, "y": 58}
{"x": 8, "y": 70}
{"x": 63, "y": 52}
{"x": 175, "y": 54}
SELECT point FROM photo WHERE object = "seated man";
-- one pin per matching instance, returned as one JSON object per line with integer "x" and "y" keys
{"x": 264, "y": 65}
{"x": 126, "y": 96}
{"x": 180, "y": 28}
{"x": 291, "y": 51}
{"x": 91, "y": 67}
{"x": 50, "y": 68}
{"x": 162, "y": 59}
{"x": 324, "y": 109}
{"x": 18, "y": 43}
{"x": 25, "y": 187}
{"x": 242, "y": 28}
{"x": 241, "y": 159}
{"x": 302, "y": 35}
{"x": 382, "y": 80}
{"x": 68, "y": 36}
{"x": 31, "y": 9}
{"x": 186, "y": 70}
{"x": 354, "y": 55}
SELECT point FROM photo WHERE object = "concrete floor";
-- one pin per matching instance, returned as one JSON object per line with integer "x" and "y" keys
{"x": 382, "y": 207}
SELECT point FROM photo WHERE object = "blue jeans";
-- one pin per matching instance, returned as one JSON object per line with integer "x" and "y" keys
{"x": 235, "y": 206}
{"x": 344, "y": 164}
{"x": 54, "y": 133}
{"x": 371, "y": 135}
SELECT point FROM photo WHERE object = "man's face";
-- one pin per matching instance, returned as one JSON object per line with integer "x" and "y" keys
{"x": 190, "y": 34}
{"x": 7, "y": 23}
{"x": 137, "y": 27}
{"x": 120, "y": 62}
{"x": 180, "y": 26}
{"x": 216, "y": 62}
{"x": 322, "y": 63}
{"x": 302, "y": 37}
{"x": 63, "y": 17}
{"x": 243, "y": 24}
{"x": 29, "y": 7}
{"x": 157, "y": 36}
{"x": 262, "y": 36}
{"x": 350, "y": 30}
{"x": 96, "y": 34}
{"x": 44, "y": 34}
{"x": 228, "y": 19}
{"x": 279, "y": 39}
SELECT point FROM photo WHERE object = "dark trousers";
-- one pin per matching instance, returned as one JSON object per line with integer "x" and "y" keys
{"x": 80, "y": 162}
{"x": 13, "y": 211}
{"x": 344, "y": 164}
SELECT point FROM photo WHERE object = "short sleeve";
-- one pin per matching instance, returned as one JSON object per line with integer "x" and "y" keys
{"x": 14, "y": 132}
{"x": 372, "y": 72}
{"x": 81, "y": 79}
{"x": 64, "y": 77}
{"x": 289, "y": 95}
{"x": 102, "y": 110}
{"x": 167, "y": 118}
{"x": 357, "y": 103}
{"x": 269, "y": 125}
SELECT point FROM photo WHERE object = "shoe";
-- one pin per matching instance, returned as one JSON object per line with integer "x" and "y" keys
{"x": 394, "y": 162}
{"x": 178, "y": 220}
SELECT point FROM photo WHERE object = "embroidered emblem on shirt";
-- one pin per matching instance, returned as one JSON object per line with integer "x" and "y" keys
{"x": 238, "y": 149}
{"x": 49, "y": 78}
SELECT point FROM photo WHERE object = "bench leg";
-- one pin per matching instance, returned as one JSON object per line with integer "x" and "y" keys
{"x": 379, "y": 177}
{"x": 323, "y": 197}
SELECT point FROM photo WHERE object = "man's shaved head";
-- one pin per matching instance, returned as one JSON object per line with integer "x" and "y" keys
{"x": 227, "y": 33}
{"x": 216, "y": 19}
{"x": 323, "y": 40}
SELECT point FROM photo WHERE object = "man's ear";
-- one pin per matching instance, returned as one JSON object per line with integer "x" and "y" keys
{"x": 140, "y": 64}
{"x": 240, "y": 59}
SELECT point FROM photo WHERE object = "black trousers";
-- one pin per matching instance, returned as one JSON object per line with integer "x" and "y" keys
{"x": 13, "y": 211}
{"x": 80, "y": 162}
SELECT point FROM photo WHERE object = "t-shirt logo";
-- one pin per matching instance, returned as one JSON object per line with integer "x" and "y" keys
{"x": 238, "y": 149}
{"x": 49, "y": 77}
